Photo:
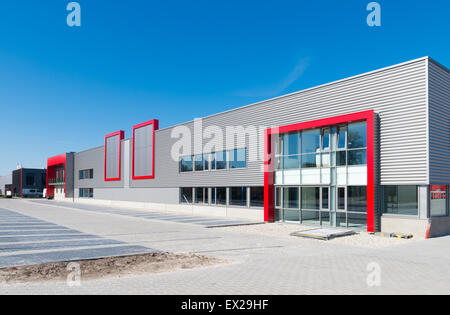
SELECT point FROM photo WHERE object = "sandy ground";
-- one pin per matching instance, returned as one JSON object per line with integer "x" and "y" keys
{"x": 361, "y": 239}
{"x": 112, "y": 267}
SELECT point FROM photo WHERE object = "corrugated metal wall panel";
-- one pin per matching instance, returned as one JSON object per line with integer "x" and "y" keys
{"x": 439, "y": 116}
{"x": 397, "y": 94}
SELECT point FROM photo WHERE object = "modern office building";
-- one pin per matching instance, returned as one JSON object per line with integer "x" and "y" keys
{"x": 28, "y": 182}
{"x": 368, "y": 152}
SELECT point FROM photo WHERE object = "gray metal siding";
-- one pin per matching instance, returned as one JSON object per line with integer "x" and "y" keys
{"x": 439, "y": 116}
{"x": 154, "y": 195}
{"x": 398, "y": 95}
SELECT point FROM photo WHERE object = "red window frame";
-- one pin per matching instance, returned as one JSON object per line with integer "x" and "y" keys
{"x": 121, "y": 135}
{"x": 269, "y": 172}
{"x": 155, "y": 124}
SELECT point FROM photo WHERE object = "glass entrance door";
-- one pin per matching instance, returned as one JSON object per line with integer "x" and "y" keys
{"x": 325, "y": 206}
{"x": 341, "y": 213}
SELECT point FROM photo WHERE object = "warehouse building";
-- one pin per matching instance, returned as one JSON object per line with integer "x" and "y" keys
{"x": 368, "y": 152}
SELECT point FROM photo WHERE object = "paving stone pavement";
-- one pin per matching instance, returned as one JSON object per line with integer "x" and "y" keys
{"x": 259, "y": 264}
{"x": 25, "y": 240}
{"x": 151, "y": 215}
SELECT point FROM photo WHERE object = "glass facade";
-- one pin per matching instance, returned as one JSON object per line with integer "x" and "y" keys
{"x": 321, "y": 176}
{"x": 238, "y": 196}
{"x": 257, "y": 197}
{"x": 238, "y": 158}
{"x": 186, "y": 195}
{"x": 401, "y": 200}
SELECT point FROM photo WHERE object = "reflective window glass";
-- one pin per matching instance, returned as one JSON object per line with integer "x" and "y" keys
{"x": 310, "y": 198}
{"x": 357, "y": 137}
{"x": 311, "y": 141}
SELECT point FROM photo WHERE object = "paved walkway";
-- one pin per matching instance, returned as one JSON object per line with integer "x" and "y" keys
{"x": 260, "y": 264}
{"x": 25, "y": 240}
{"x": 151, "y": 215}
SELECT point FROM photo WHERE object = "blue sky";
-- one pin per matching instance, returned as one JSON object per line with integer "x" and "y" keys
{"x": 62, "y": 89}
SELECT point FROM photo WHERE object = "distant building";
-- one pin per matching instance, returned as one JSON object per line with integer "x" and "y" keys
{"x": 27, "y": 182}
{"x": 4, "y": 181}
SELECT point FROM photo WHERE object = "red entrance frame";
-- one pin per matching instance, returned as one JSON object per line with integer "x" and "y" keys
{"x": 121, "y": 135}
{"x": 368, "y": 116}
{"x": 155, "y": 124}
{"x": 51, "y": 164}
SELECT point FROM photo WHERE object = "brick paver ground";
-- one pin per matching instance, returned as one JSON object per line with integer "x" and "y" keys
{"x": 260, "y": 264}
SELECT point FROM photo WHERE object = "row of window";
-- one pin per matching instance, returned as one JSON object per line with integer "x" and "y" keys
{"x": 86, "y": 174}
{"x": 224, "y": 196}
{"x": 404, "y": 200}
{"x": 231, "y": 159}
{"x": 349, "y": 198}
{"x": 86, "y": 193}
{"x": 334, "y": 138}
{"x": 317, "y": 160}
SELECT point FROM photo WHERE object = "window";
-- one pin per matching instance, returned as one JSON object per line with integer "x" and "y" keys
{"x": 221, "y": 196}
{"x": 290, "y": 144}
{"x": 341, "y": 198}
{"x": 186, "y": 164}
{"x": 310, "y": 160}
{"x": 311, "y": 141}
{"x": 213, "y": 160}
{"x": 357, "y": 157}
{"x": 238, "y": 158}
{"x": 357, "y": 137}
{"x": 221, "y": 160}
{"x": 341, "y": 158}
{"x": 290, "y": 197}
{"x": 86, "y": 192}
{"x": 357, "y": 198}
{"x": 86, "y": 174}
{"x": 290, "y": 162}
{"x": 310, "y": 198}
{"x": 438, "y": 200}
{"x": 186, "y": 195}
{"x": 256, "y": 196}
{"x": 199, "y": 164}
{"x": 206, "y": 158}
{"x": 277, "y": 197}
{"x": 325, "y": 139}
{"x": 200, "y": 194}
{"x": 342, "y": 137}
{"x": 402, "y": 200}
{"x": 30, "y": 180}
{"x": 238, "y": 196}
{"x": 213, "y": 196}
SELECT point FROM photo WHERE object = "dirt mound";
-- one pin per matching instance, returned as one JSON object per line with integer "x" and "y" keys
{"x": 107, "y": 267}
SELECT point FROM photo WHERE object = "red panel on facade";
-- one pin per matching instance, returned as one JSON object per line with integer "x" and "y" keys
{"x": 121, "y": 135}
{"x": 52, "y": 163}
{"x": 155, "y": 124}
{"x": 368, "y": 116}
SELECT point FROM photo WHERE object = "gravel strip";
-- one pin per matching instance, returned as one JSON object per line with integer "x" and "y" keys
{"x": 362, "y": 239}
